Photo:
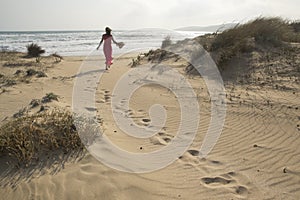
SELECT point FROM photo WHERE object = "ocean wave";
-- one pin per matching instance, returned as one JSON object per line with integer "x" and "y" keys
{"x": 82, "y": 42}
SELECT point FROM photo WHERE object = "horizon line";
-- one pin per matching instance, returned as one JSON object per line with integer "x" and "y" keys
{"x": 118, "y": 29}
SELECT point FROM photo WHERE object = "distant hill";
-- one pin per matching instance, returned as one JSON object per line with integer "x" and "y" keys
{"x": 212, "y": 28}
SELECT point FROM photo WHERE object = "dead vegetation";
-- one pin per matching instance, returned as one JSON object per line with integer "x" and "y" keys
{"x": 34, "y": 51}
{"x": 263, "y": 51}
{"x": 26, "y": 138}
{"x": 19, "y": 68}
{"x": 260, "y": 33}
{"x": 166, "y": 42}
{"x": 58, "y": 58}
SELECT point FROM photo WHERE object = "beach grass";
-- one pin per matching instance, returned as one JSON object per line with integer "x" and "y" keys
{"x": 263, "y": 32}
{"x": 25, "y": 138}
{"x": 34, "y": 50}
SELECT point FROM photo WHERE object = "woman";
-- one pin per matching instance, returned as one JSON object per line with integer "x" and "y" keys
{"x": 107, "y": 49}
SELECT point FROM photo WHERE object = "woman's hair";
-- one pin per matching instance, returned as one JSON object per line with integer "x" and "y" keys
{"x": 107, "y": 30}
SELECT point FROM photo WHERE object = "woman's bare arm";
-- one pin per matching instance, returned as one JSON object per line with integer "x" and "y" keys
{"x": 114, "y": 41}
{"x": 100, "y": 43}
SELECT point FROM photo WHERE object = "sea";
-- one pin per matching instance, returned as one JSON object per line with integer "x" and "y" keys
{"x": 82, "y": 43}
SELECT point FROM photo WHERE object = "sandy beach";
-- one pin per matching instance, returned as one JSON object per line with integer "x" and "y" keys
{"x": 256, "y": 156}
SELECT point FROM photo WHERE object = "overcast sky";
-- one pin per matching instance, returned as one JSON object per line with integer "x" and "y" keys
{"x": 134, "y": 14}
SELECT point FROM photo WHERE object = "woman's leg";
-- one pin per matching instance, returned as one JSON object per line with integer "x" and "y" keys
{"x": 108, "y": 55}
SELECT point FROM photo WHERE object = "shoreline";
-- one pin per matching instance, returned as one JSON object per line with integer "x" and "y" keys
{"x": 78, "y": 43}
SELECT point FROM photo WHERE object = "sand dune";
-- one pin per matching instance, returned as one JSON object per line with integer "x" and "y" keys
{"x": 256, "y": 157}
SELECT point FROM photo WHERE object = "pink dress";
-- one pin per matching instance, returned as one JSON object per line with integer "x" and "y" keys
{"x": 107, "y": 49}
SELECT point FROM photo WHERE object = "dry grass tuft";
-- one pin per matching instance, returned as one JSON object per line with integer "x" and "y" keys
{"x": 265, "y": 32}
{"x": 166, "y": 42}
{"x": 34, "y": 50}
{"x": 28, "y": 137}
{"x": 263, "y": 47}
{"x": 33, "y": 72}
{"x": 296, "y": 26}
{"x": 58, "y": 58}
{"x": 50, "y": 97}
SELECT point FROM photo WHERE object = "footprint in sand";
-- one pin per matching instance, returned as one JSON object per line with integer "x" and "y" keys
{"x": 90, "y": 109}
{"x": 192, "y": 157}
{"x": 107, "y": 97}
{"x": 161, "y": 139}
{"x": 104, "y": 96}
{"x": 146, "y": 120}
{"x": 228, "y": 181}
{"x": 129, "y": 113}
{"x": 193, "y": 152}
{"x": 215, "y": 181}
{"x": 100, "y": 101}
{"x": 241, "y": 190}
{"x": 123, "y": 101}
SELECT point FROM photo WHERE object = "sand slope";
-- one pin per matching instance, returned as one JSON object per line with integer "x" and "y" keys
{"x": 256, "y": 157}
